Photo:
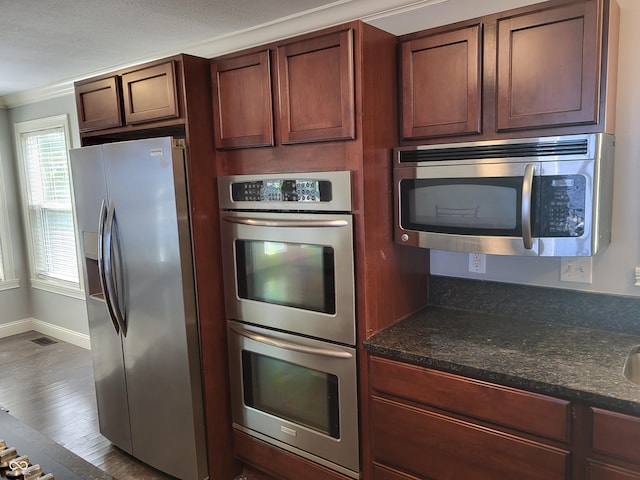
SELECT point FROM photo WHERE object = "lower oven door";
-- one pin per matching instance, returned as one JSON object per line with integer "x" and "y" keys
{"x": 296, "y": 393}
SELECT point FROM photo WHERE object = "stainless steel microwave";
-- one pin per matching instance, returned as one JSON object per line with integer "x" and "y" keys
{"x": 546, "y": 196}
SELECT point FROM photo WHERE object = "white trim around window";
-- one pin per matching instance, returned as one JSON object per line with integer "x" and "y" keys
{"x": 42, "y": 148}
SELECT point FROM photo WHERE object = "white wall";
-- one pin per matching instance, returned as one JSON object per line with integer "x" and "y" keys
{"x": 58, "y": 315}
{"x": 614, "y": 268}
{"x": 14, "y": 302}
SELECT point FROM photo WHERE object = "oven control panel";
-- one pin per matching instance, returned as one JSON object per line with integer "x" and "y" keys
{"x": 282, "y": 190}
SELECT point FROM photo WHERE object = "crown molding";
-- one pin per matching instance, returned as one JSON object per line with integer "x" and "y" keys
{"x": 335, "y": 13}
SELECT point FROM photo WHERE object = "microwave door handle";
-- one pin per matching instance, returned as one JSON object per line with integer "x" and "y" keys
{"x": 270, "y": 222}
{"x": 527, "y": 187}
{"x": 296, "y": 347}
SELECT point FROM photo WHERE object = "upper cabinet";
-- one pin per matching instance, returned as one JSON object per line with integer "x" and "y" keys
{"x": 441, "y": 83}
{"x": 148, "y": 96}
{"x": 312, "y": 82}
{"x": 150, "y": 93}
{"x": 316, "y": 89}
{"x": 549, "y": 68}
{"x": 242, "y": 106}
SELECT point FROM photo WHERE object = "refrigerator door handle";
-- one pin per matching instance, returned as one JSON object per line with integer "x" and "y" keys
{"x": 109, "y": 269}
{"x": 101, "y": 269}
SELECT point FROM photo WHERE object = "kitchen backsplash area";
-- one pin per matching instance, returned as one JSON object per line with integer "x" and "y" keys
{"x": 543, "y": 304}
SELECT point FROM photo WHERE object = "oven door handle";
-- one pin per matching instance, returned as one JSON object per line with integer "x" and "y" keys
{"x": 271, "y": 222}
{"x": 296, "y": 347}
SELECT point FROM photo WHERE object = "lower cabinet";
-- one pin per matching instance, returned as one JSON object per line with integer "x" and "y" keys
{"x": 614, "y": 453}
{"x": 432, "y": 425}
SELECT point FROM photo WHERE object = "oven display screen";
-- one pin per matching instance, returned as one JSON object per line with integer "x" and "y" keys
{"x": 292, "y": 274}
{"x": 292, "y": 392}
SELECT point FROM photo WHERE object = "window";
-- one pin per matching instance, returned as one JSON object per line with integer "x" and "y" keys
{"x": 7, "y": 274}
{"x": 42, "y": 147}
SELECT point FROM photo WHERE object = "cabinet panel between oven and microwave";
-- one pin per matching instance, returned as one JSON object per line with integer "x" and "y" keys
{"x": 291, "y": 271}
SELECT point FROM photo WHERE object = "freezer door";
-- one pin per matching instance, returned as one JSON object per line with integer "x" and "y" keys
{"x": 147, "y": 187}
{"x": 89, "y": 189}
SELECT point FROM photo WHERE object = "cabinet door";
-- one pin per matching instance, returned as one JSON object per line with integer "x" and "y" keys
{"x": 242, "y": 104}
{"x": 150, "y": 94}
{"x": 441, "y": 84}
{"x": 433, "y": 445}
{"x": 316, "y": 89}
{"x": 98, "y": 104}
{"x": 548, "y": 67}
{"x": 601, "y": 471}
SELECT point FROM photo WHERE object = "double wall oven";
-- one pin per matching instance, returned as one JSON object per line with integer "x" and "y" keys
{"x": 288, "y": 262}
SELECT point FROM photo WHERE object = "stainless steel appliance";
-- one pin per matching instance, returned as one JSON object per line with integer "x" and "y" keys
{"x": 132, "y": 211}
{"x": 287, "y": 242}
{"x": 548, "y": 196}
{"x": 291, "y": 264}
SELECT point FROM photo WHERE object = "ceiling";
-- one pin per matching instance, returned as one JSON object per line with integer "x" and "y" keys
{"x": 49, "y": 43}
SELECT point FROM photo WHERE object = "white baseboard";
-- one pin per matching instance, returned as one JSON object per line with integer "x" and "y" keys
{"x": 61, "y": 333}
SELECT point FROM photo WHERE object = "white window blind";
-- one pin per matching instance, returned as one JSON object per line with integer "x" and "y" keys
{"x": 48, "y": 209}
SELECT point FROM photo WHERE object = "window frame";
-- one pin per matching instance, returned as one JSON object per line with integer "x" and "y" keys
{"x": 53, "y": 285}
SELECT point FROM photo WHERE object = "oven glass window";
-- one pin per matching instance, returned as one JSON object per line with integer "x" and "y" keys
{"x": 489, "y": 206}
{"x": 292, "y": 274}
{"x": 301, "y": 395}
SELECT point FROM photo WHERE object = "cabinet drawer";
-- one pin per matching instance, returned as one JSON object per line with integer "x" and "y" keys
{"x": 530, "y": 412}
{"x": 98, "y": 104}
{"x": 150, "y": 94}
{"x": 616, "y": 434}
{"x": 433, "y": 445}
{"x": 382, "y": 472}
{"x": 600, "y": 471}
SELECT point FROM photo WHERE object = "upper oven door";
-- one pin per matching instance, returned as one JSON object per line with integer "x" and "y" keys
{"x": 291, "y": 271}
{"x": 482, "y": 208}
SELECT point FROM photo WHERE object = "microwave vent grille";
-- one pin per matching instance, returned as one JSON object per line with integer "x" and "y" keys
{"x": 497, "y": 151}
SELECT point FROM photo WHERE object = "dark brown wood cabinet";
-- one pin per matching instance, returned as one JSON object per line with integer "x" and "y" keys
{"x": 431, "y": 424}
{"x": 436, "y": 425}
{"x": 547, "y": 68}
{"x": 391, "y": 281}
{"x": 441, "y": 83}
{"x": 242, "y": 101}
{"x": 150, "y": 93}
{"x": 312, "y": 82}
{"x": 613, "y": 453}
{"x": 99, "y": 104}
{"x": 138, "y": 98}
{"x": 316, "y": 88}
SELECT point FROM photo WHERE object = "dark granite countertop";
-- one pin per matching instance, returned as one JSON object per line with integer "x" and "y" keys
{"x": 571, "y": 362}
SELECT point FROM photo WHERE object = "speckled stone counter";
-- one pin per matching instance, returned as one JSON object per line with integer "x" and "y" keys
{"x": 567, "y": 361}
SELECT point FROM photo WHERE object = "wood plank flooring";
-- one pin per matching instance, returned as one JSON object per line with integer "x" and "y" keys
{"x": 50, "y": 388}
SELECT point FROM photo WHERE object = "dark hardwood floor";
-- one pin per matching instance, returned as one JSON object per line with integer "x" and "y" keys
{"x": 49, "y": 387}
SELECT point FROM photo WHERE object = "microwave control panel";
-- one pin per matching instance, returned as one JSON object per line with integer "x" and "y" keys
{"x": 278, "y": 190}
{"x": 563, "y": 199}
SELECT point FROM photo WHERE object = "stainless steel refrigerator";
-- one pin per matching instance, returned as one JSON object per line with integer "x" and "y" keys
{"x": 133, "y": 217}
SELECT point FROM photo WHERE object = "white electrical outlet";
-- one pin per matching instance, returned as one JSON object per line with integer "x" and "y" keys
{"x": 477, "y": 263}
{"x": 576, "y": 269}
